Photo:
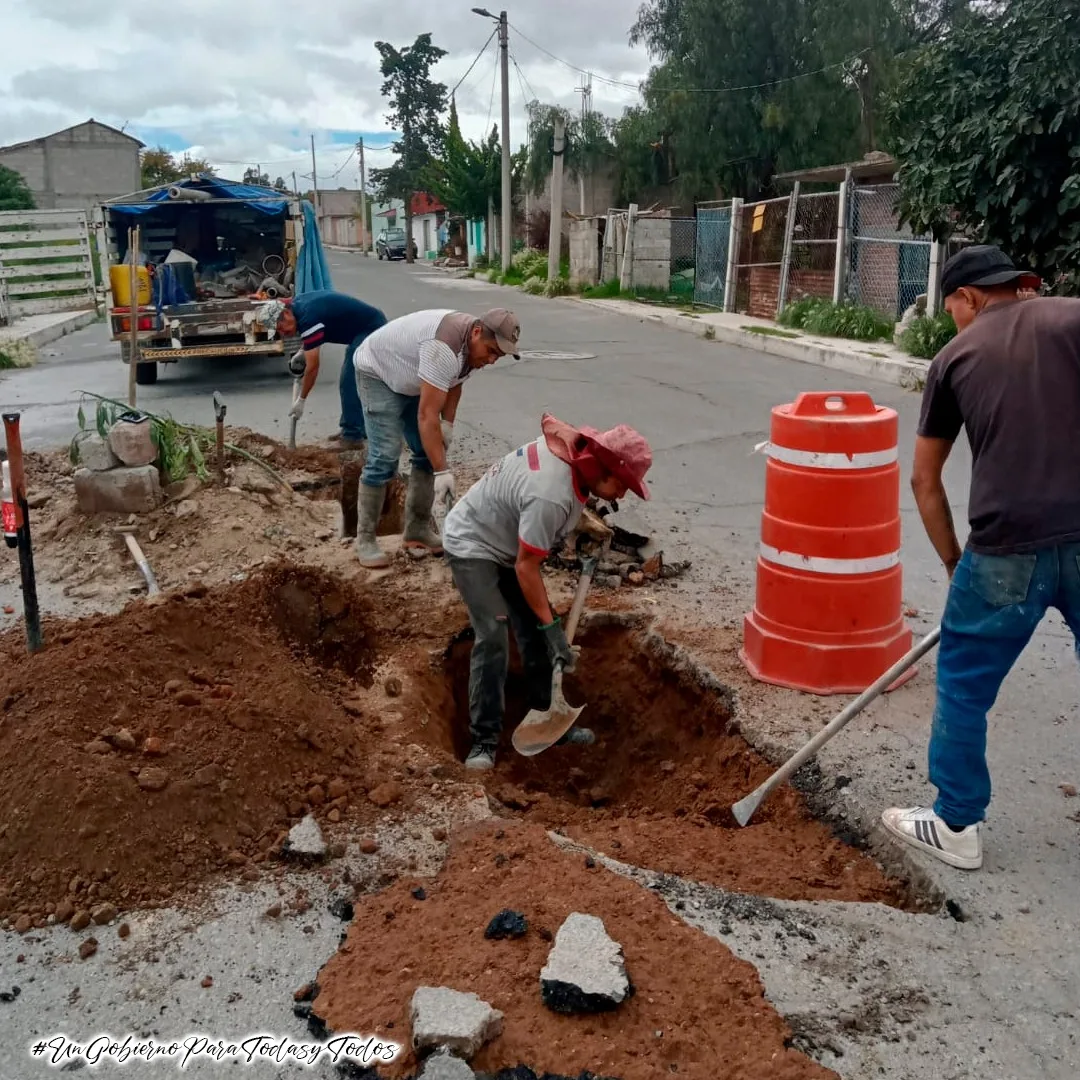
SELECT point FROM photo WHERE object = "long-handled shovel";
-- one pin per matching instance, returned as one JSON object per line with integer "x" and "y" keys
{"x": 744, "y": 809}
{"x": 543, "y": 728}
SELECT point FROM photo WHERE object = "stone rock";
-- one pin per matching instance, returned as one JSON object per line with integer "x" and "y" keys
{"x": 151, "y": 779}
{"x": 88, "y": 948}
{"x": 24, "y": 924}
{"x": 132, "y": 443}
{"x": 94, "y": 452}
{"x": 104, "y": 914}
{"x": 451, "y": 1020}
{"x": 123, "y": 740}
{"x": 386, "y": 794}
{"x": 305, "y": 842}
{"x": 119, "y": 491}
{"x": 80, "y": 920}
{"x": 186, "y": 508}
{"x": 507, "y": 924}
{"x": 64, "y": 910}
{"x": 585, "y": 971}
{"x": 445, "y": 1067}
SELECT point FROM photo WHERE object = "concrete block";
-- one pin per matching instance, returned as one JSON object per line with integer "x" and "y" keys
{"x": 585, "y": 971}
{"x": 305, "y": 842}
{"x": 94, "y": 452}
{"x": 446, "y": 1067}
{"x": 451, "y": 1020}
{"x": 131, "y": 442}
{"x": 119, "y": 491}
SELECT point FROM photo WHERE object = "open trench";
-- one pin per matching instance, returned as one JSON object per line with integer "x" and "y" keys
{"x": 146, "y": 752}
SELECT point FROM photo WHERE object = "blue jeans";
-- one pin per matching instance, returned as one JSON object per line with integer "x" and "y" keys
{"x": 352, "y": 415}
{"x": 389, "y": 418}
{"x": 995, "y": 604}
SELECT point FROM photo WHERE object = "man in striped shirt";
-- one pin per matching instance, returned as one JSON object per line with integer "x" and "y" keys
{"x": 409, "y": 374}
{"x": 327, "y": 318}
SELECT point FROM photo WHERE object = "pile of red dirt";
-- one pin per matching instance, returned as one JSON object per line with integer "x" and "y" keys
{"x": 656, "y": 788}
{"x": 697, "y": 1011}
{"x": 141, "y": 751}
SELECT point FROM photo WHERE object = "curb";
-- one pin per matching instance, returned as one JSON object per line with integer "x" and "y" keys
{"x": 48, "y": 334}
{"x": 908, "y": 374}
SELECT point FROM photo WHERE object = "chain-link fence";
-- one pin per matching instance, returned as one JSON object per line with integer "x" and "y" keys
{"x": 762, "y": 227}
{"x": 889, "y": 266}
{"x": 683, "y": 258}
{"x": 712, "y": 239}
{"x": 812, "y": 265}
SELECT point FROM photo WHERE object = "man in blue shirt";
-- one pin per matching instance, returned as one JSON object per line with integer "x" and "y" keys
{"x": 325, "y": 317}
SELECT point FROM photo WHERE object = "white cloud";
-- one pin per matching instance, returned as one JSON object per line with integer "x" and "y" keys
{"x": 248, "y": 83}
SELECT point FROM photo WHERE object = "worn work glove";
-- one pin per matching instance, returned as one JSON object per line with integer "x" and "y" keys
{"x": 444, "y": 487}
{"x": 298, "y": 409}
{"x": 447, "y": 434}
{"x": 559, "y": 649}
{"x": 298, "y": 363}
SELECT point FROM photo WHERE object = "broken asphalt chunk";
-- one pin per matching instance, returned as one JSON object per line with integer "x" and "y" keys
{"x": 452, "y": 1020}
{"x": 305, "y": 842}
{"x": 585, "y": 971}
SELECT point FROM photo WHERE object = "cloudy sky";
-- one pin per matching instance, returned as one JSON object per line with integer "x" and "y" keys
{"x": 249, "y": 83}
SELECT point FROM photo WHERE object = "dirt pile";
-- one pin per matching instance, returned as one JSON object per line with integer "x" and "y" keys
{"x": 697, "y": 1011}
{"x": 141, "y": 751}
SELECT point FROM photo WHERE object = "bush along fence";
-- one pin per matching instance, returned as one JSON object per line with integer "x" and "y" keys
{"x": 845, "y": 247}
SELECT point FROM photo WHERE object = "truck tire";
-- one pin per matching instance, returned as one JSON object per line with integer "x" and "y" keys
{"x": 145, "y": 374}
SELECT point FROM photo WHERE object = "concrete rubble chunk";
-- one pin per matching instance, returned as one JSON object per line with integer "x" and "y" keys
{"x": 446, "y": 1067}
{"x": 94, "y": 452}
{"x": 585, "y": 971}
{"x": 119, "y": 491}
{"x": 132, "y": 443}
{"x": 305, "y": 842}
{"x": 452, "y": 1020}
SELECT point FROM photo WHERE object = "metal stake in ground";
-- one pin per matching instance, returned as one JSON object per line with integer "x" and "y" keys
{"x": 219, "y": 417}
{"x": 744, "y": 809}
{"x": 22, "y": 528}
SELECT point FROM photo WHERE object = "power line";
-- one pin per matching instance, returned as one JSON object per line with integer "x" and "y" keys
{"x": 491, "y": 103}
{"x": 474, "y": 63}
{"x": 525, "y": 82}
{"x": 694, "y": 89}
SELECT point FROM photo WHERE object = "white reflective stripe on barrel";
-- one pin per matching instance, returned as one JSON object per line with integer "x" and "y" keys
{"x": 818, "y": 565}
{"x": 811, "y": 460}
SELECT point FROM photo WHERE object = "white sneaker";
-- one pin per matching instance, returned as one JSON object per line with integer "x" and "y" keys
{"x": 920, "y": 827}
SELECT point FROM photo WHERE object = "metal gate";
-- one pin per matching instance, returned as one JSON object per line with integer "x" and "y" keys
{"x": 711, "y": 255}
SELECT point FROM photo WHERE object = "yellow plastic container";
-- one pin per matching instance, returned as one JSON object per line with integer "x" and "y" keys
{"x": 120, "y": 279}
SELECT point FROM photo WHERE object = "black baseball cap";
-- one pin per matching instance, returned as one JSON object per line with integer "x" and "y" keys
{"x": 983, "y": 265}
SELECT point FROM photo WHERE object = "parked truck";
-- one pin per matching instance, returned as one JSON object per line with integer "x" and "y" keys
{"x": 210, "y": 251}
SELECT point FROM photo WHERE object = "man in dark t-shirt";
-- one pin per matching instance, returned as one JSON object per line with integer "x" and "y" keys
{"x": 325, "y": 317}
{"x": 1011, "y": 379}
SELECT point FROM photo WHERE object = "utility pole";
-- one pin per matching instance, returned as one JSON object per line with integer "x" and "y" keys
{"x": 296, "y": 189}
{"x": 363, "y": 198}
{"x": 585, "y": 90}
{"x": 314, "y": 178}
{"x": 555, "y": 235}
{"x": 507, "y": 212}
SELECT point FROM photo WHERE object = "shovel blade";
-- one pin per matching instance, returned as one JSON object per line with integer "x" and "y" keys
{"x": 541, "y": 730}
{"x": 744, "y": 809}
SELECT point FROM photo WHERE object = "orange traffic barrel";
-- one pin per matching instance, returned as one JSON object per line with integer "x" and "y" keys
{"x": 828, "y": 616}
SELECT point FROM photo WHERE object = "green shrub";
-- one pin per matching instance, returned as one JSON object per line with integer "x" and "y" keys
{"x": 816, "y": 315}
{"x": 927, "y": 336}
{"x": 530, "y": 263}
{"x": 534, "y": 286}
{"x": 559, "y": 287}
{"x": 606, "y": 290}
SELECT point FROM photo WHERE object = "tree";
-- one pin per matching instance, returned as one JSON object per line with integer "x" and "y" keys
{"x": 15, "y": 193}
{"x": 986, "y": 125}
{"x": 466, "y": 174}
{"x": 588, "y": 143}
{"x": 280, "y": 185}
{"x": 159, "y": 166}
{"x": 416, "y": 103}
{"x": 253, "y": 176}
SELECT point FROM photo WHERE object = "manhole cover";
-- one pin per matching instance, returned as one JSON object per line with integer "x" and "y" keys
{"x": 554, "y": 354}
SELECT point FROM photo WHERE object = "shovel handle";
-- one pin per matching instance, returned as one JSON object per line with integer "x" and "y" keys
{"x": 588, "y": 567}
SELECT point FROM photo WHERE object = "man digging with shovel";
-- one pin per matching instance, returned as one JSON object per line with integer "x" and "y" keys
{"x": 495, "y": 539}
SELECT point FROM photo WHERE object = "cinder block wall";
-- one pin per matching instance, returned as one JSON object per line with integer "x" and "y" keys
{"x": 652, "y": 253}
{"x": 584, "y": 252}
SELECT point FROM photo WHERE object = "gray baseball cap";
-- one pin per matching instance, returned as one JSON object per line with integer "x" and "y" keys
{"x": 506, "y": 328}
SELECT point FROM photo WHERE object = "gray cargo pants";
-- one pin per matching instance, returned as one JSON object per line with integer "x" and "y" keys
{"x": 495, "y": 601}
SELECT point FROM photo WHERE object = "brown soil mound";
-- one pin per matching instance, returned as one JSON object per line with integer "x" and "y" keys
{"x": 656, "y": 788}
{"x": 697, "y": 1011}
{"x": 142, "y": 750}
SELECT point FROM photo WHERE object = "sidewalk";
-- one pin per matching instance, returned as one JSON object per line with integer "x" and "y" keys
{"x": 39, "y": 330}
{"x": 876, "y": 360}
